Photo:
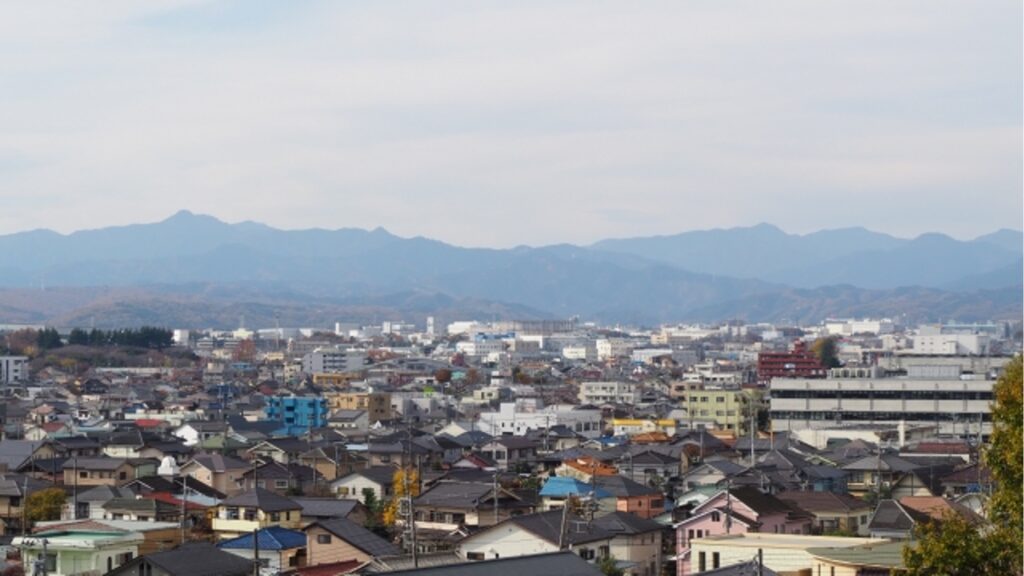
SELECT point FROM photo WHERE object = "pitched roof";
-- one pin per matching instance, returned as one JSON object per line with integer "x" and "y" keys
{"x": 326, "y": 507}
{"x": 759, "y": 501}
{"x": 263, "y": 499}
{"x": 823, "y": 501}
{"x": 548, "y": 526}
{"x": 383, "y": 475}
{"x": 269, "y": 538}
{"x": 191, "y": 559}
{"x": 219, "y": 462}
{"x": 626, "y": 523}
{"x": 357, "y": 536}
{"x": 889, "y": 515}
{"x": 622, "y": 487}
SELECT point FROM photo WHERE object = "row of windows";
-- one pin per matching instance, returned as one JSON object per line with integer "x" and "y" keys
{"x": 885, "y": 394}
{"x": 882, "y": 416}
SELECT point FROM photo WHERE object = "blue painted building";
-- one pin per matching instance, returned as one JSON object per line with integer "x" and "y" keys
{"x": 297, "y": 413}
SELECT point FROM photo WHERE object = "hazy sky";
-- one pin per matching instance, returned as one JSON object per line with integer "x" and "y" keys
{"x": 503, "y": 123}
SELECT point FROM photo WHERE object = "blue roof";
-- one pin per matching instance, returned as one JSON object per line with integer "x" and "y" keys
{"x": 562, "y": 486}
{"x": 269, "y": 538}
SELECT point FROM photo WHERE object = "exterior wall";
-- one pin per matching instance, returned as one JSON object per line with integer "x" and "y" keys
{"x": 337, "y": 550}
{"x": 226, "y": 527}
{"x": 225, "y": 482}
{"x": 98, "y": 477}
{"x": 788, "y": 555}
{"x": 377, "y": 404}
{"x": 352, "y": 488}
{"x": 642, "y": 506}
{"x": 302, "y": 411}
{"x": 955, "y": 405}
{"x": 643, "y": 549}
{"x": 723, "y": 407}
{"x": 602, "y": 392}
{"x": 504, "y": 542}
{"x": 277, "y": 560}
{"x": 157, "y": 540}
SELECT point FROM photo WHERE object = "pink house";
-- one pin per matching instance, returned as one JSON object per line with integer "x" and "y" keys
{"x": 736, "y": 511}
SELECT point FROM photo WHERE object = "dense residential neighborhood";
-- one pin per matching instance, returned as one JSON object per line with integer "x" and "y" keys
{"x": 541, "y": 447}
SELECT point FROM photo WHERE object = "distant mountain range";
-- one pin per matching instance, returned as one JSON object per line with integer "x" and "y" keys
{"x": 193, "y": 270}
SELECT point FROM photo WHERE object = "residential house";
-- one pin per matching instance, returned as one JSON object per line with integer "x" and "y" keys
{"x": 448, "y": 506}
{"x": 314, "y": 509}
{"x": 559, "y": 489}
{"x": 378, "y": 479}
{"x": 14, "y": 488}
{"x": 252, "y": 510}
{"x": 632, "y": 497}
{"x": 281, "y": 478}
{"x": 866, "y": 560}
{"x": 870, "y": 473}
{"x": 736, "y": 511}
{"x": 85, "y": 547}
{"x": 511, "y": 452}
{"x": 634, "y": 542}
{"x": 280, "y": 549}
{"x": 342, "y": 540}
{"x": 833, "y": 513}
{"x": 192, "y": 559}
{"x": 563, "y": 563}
{"x": 97, "y": 471}
{"x": 223, "y": 473}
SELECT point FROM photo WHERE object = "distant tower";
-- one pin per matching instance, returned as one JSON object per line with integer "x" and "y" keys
{"x": 430, "y": 325}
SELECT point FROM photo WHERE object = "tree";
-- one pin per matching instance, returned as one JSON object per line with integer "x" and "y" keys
{"x": 443, "y": 375}
{"x": 954, "y": 547}
{"x": 390, "y": 514}
{"x": 48, "y": 339}
{"x": 45, "y": 504}
{"x": 827, "y": 351}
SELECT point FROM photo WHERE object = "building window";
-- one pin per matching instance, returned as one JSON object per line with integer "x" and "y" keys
{"x": 714, "y": 560}
{"x": 275, "y": 517}
{"x": 474, "y": 556}
{"x": 702, "y": 563}
{"x": 323, "y": 538}
{"x": 716, "y": 517}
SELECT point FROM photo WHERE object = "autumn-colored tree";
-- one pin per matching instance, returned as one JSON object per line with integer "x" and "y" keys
{"x": 827, "y": 351}
{"x": 954, "y": 547}
{"x": 23, "y": 342}
{"x": 45, "y": 504}
{"x": 443, "y": 375}
{"x": 390, "y": 514}
{"x": 245, "y": 351}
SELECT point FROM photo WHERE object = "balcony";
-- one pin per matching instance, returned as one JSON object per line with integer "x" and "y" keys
{"x": 240, "y": 526}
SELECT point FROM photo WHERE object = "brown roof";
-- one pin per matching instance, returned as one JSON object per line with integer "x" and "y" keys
{"x": 936, "y": 507}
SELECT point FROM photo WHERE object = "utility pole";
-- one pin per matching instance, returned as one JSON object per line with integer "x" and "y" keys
{"x": 564, "y": 526}
{"x": 24, "y": 506}
{"x": 256, "y": 552}
{"x": 74, "y": 497}
{"x": 184, "y": 498}
{"x": 494, "y": 495}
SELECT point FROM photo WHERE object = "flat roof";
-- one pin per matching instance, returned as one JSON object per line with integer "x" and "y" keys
{"x": 800, "y": 541}
{"x": 887, "y": 555}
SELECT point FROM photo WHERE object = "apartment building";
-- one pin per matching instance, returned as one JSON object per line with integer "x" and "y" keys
{"x": 377, "y": 405}
{"x": 719, "y": 408}
{"x": 333, "y": 361}
{"x": 609, "y": 392}
{"x": 13, "y": 369}
{"x": 516, "y": 418}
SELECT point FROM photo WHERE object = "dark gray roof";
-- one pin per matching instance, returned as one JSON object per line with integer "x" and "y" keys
{"x": 192, "y": 559}
{"x": 263, "y": 499}
{"x": 622, "y": 487}
{"x": 14, "y": 453}
{"x": 889, "y": 515}
{"x": 326, "y": 507}
{"x": 455, "y": 494}
{"x": 626, "y": 523}
{"x": 383, "y": 475}
{"x": 555, "y": 564}
{"x": 357, "y": 536}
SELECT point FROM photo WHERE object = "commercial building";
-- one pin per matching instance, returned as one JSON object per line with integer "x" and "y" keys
{"x": 376, "y": 404}
{"x": 333, "y": 361}
{"x": 956, "y": 404}
{"x": 517, "y": 419}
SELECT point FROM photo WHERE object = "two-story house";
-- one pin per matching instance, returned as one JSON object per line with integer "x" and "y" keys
{"x": 737, "y": 511}
{"x": 255, "y": 509}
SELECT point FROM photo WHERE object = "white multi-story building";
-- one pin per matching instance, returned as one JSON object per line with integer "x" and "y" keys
{"x": 13, "y": 369}
{"x": 608, "y": 348}
{"x": 957, "y": 405}
{"x": 518, "y": 417}
{"x": 951, "y": 344}
{"x": 333, "y": 361}
{"x": 848, "y": 327}
{"x": 605, "y": 392}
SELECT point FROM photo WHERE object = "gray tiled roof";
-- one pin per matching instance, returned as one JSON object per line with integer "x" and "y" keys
{"x": 357, "y": 536}
{"x": 193, "y": 559}
{"x": 263, "y": 499}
